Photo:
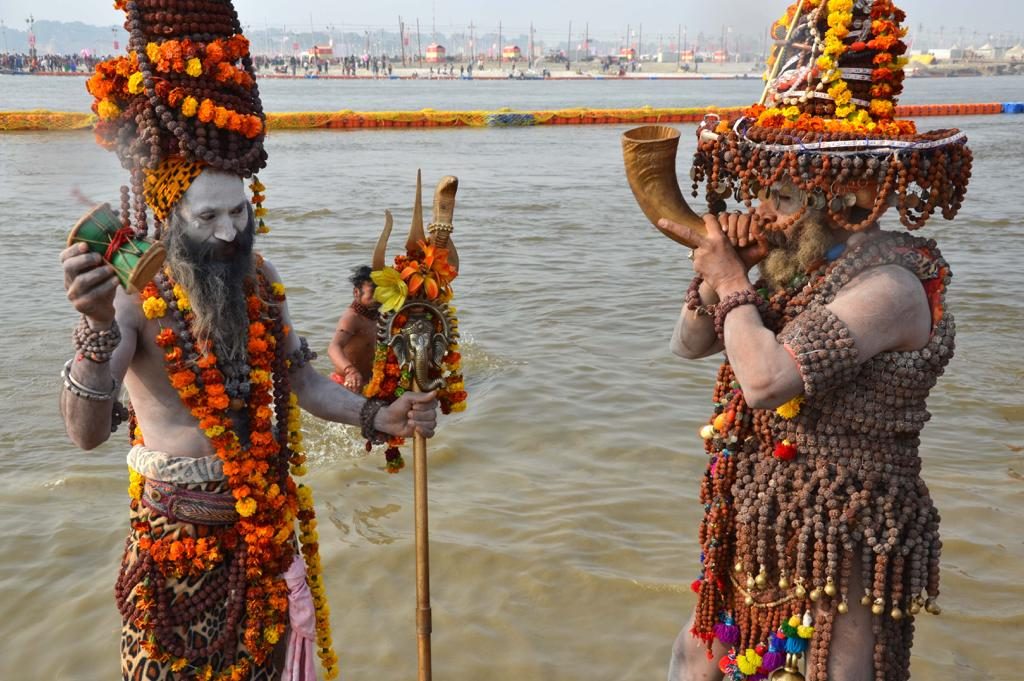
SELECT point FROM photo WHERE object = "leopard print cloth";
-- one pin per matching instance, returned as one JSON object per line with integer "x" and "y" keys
{"x": 136, "y": 663}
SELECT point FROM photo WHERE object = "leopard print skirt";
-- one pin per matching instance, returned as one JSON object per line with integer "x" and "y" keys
{"x": 204, "y": 627}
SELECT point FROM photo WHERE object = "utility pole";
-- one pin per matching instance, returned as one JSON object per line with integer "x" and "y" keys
{"x": 31, "y": 23}
{"x": 529, "y": 47}
{"x": 679, "y": 46}
{"x": 568, "y": 47}
{"x": 501, "y": 50}
{"x": 419, "y": 46}
{"x": 640, "y": 43}
{"x": 586, "y": 40}
{"x": 472, "y": 42}
{"x": 401, "y": 37}
{"x": 3, "y": 29}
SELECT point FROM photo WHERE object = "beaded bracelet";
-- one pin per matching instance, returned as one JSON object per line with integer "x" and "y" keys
{"x": 366, "y": 417}
{"x": 745, "y": 297}
{"x": 85, "y": 392}
{"x": 97, "y": 345}
{"x": 694, "y": 303}
{"x": 302, "y": 356}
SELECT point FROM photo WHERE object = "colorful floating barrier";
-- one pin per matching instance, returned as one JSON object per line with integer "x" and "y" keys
{"x": 503, "y": 118}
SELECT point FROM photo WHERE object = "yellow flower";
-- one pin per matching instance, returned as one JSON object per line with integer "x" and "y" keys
{"x": 214, "y": 431}
{"x": 259, "y": 376}
{"x": 194, "y": 67}
{"x": 135, "y": 85}
{"x": 270, "y": 635}
{"x": 189, "y": 106}
{"x": 391, "y": 289}
{"x": 245, "y": 507}
{"x": 790, "y": 409}
{"x": 792, "y": 113}
{"x": 260, "y": 212}
{"x": 182, "y": 298}
{"x": 107, "y": 109}
{"x": 154, "y": 307}
{"x": 153, "y": 52}
{"x": 804, "y": 632}
{"x": 135, "y": 483}
{"x": 299, "y": 471}
{"x": 278, "y": 289}
{"x": 179, "y": 664}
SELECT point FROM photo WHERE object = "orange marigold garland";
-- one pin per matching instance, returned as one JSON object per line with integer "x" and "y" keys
{"x": 267, "y": 498}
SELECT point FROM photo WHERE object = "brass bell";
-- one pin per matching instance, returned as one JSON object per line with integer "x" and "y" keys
{"x": 915, "y": 606}
{"x": 843, "y": 608}
{"x": 783, "y": 582}
{"x": 749, "y": 600}
{"x": 750, "y": 581}
{"x": 865, "y": 599}
{"x": 738, "y": 567}
{"x": 816, "y": 594}
{"x": 896, "y": 613}
{"x": 878, "y": 607}
{"x": 761, "y": 581}
{"x": 932, "y": 607}
{"x": 801, "y": 592}
{"x": 830, "y": 588}
{"x": 790, "y": 672}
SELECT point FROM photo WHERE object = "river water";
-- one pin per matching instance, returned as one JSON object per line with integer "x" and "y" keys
{"x": 564, "y": 500}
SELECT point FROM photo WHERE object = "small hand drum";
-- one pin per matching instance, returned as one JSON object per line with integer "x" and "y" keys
{"x": 136, "y": 261}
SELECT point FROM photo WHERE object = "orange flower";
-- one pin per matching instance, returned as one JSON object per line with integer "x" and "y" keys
{"x": 182, "y": 378}
{"x": 206, "y": 111}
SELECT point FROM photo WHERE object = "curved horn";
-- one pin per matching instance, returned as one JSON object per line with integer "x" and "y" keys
{"x": 380, "y": 253}
{"x": 444, "y": 211}
{"x": 650, "y": 156}
{"x": 416, "y": 230}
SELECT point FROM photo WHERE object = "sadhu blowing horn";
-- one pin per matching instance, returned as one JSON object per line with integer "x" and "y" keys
{"x": 650, "y": 156}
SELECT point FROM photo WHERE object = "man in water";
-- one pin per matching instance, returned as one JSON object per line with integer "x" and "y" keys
{"x": 221, "y": 575}
{"x": 351, "y": 349}
{"x": 819, "y": 537}
{"x": 209, "y": 238}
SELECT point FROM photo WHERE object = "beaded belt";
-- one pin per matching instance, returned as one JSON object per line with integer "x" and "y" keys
{"x": 190, "y": 506}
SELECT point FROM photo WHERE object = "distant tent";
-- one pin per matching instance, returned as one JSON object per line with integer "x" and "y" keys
{"x": 435, "y": 53}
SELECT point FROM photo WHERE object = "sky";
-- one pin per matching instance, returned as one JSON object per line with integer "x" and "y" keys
{"x": 606, "y": 19}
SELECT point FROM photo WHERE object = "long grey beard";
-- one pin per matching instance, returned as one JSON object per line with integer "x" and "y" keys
{"x": 216, "y": 292}
{"x": 792, "y": 257}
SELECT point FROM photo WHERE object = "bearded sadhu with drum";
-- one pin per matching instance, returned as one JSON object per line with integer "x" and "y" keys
{"x": 215, "y": 583}
{"x": 819, "y": 541}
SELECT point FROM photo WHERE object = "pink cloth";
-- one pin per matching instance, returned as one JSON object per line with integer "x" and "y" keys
{"x": 299, "y": 657}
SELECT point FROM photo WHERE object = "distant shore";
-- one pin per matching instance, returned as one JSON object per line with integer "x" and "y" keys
{"x": 587, "y": 71}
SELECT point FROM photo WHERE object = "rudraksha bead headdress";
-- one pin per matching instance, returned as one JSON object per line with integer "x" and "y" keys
{"x": 827, "y": 124}
{"x": 184, "y": 98}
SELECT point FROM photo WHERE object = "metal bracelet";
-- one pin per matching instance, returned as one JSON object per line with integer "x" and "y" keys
{"x": 85, "y": 392}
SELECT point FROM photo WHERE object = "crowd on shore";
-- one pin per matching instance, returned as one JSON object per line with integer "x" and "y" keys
{"x": 48, "y": 63}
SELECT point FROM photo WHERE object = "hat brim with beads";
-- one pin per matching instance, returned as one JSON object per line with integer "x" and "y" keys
{"x": 826, "y": 124}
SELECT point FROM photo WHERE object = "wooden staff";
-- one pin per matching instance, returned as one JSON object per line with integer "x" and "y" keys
{"x": 440, "y": 232}
{"x": 423, "y": 619}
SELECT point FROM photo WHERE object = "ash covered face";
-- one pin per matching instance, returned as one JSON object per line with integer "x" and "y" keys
{"x": 797, "y": 248}
{"x": 209, "y": 240}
